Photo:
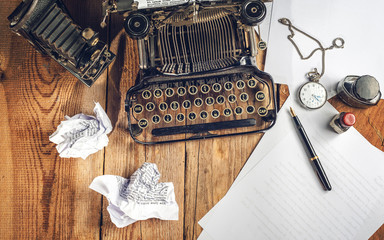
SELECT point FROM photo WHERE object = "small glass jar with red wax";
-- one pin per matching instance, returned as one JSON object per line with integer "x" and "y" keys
{"x": 342, "y": 122}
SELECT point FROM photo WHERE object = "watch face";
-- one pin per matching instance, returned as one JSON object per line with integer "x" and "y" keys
{"x": 312, "y": 95}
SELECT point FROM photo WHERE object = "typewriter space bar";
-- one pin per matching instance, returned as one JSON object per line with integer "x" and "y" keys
{"x": 200, "y": 128}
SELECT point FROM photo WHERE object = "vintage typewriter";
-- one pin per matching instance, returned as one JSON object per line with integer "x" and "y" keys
{"x": 198, "y": 77}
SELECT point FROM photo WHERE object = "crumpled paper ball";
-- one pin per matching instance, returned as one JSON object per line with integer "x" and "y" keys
{"x": 82, "y": 135}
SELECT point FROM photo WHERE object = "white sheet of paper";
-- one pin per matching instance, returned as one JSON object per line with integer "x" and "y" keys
{"x": 358, "y": 23}
{"x": 279, "y": 196}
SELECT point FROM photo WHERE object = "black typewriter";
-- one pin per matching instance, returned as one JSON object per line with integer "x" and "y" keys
{"x": 198, "y": 77}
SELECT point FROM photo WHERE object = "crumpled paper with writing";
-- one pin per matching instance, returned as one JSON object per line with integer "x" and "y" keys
{"x": 82, "y": 135}
{"x": 138, "y": 198}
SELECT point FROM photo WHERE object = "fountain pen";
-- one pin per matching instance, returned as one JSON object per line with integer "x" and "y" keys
{"x": 315, "y": 161}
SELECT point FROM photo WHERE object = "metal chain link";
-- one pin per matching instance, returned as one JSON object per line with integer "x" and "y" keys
{"x": 336, "y": 43}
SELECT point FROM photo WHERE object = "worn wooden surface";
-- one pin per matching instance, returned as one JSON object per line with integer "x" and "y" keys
{"x": 46, "y": 197}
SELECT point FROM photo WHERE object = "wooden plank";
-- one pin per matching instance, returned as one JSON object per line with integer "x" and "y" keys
{"x": 43, "y": 196}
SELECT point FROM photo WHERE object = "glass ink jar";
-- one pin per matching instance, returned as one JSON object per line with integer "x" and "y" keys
{"x": 359, "y": 92}
{"x": 342, "y": 122}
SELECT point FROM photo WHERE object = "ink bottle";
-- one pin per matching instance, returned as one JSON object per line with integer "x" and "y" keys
{"x": 342, "y": 122}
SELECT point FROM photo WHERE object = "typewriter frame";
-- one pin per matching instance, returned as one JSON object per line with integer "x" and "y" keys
{"x": 149, "y": 74}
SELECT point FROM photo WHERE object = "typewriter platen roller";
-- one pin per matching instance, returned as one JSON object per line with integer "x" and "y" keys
{"x": 197, "y": 76}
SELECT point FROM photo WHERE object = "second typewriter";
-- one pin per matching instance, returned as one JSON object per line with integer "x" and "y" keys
{"x": 198, "y": 76}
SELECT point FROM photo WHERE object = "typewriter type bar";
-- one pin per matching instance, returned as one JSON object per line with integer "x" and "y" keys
{"x": 233, "y": 101}
{"x": 48, "y": 27}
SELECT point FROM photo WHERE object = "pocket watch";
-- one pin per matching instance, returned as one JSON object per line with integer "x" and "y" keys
{"x": 312, "y": 95}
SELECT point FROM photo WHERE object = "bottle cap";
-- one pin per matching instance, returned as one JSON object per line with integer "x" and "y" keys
{"x": 348, "y": 119}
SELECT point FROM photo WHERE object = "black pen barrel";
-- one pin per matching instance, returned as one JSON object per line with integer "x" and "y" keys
{"x": 321, "y": 174}
{"x": 308, "y": 146}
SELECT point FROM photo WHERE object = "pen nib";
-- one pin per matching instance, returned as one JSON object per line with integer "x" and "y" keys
{"x": 292, "y": 112}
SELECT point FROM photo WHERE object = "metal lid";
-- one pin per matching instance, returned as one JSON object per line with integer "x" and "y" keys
{"x": 367, "y": 87}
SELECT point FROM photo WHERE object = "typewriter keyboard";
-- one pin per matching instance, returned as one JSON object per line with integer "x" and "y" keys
{"x": 198, "y": 108}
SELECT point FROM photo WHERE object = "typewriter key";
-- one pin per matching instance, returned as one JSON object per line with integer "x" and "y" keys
{"x": 198, "y": 102}
{"x": 215, "y": 113}
{"x": 163, "y": 106}
{"x": 260, "y": 96}
{"x": 250, "y": 109}
{"x": 251, "y": 83}
{"x": 181, "y": 91}
{"x": 192, "y": 116}
{"x": 158, "y": 93}
{"x": 203, "y": 115}
{"x": 209, "y": 101}
{"x": 205, "y": 89}
{"x": 150, "y": 106}
{"x": 192, "y": 90}
{"x": 138, "y": 108}
{"x": 228, "y": 86}
{"x": 167, "y": 118}
{"x": 180, "y": 117}
{"x": 143, "y": 123}
{"x": 174, "y": 105}
{"x": 216, "y": 87}
{"x": 220, "y": 99}
{"x": 155, "y": 119}
{"x": 169, "y": 92}
{"x": 240, "y": 84}
{"x": 232, "y": 98}
{"x": 262, "y": 111}
{"x": 238, "y": 110}
{"x": 146, "y": 94}
{"x": 227, "y": 112}
{"x": 244, "y": 97}
{"x": 186, "y": 104}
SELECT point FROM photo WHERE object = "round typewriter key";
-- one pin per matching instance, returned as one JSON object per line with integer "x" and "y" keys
{"x": 146, "y": 94}
{"x": 174, "y": 105}
{"x": 205, "y": 89}
{"x": 138, "y": 108}
{"x": 251, "y": 83}
{"x": 260, "y": 96}
{"x": 215, "y": 113}
{"x": 198, "y": 102}
{"x": 216, "y": 87}
{"x": 203, "y": 115}
{"x": 163, "y": 106}
{"x": 240, "y": 84}
{"x": 232, "y": 98}
{"x": 228, "y": 86}
{"x": 262, "y": 111}
{"x": 169, "y": 92}
{"x": 227, "y": 112}
{"x": 150, "y": 106}
{"x": 192, "y": 116}
{"x": 143, "y": 123}
{"x": 167, "y": 118}
{"x": 250, "y": 109}
{"x": 158, "y": 93}
{"x": 180, "y": 117}
{"x": 187, "y": 104}
{"x": 155, "y": 119}
{"x": 244, "y": 97}
{"x": 192, "y": 90}
{"x": 238, "y": 110}
{"x": 209, "y": 101}
{"x": 220, "y": 99}
{"x": 181, "y": 91}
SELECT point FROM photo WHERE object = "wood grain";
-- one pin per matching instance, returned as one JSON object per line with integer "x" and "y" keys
{"x": 46, "y": 197}
{"x": 43, "y": 196}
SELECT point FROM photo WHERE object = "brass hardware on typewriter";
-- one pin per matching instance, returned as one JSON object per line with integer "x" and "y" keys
{"x": 198, "y": 77}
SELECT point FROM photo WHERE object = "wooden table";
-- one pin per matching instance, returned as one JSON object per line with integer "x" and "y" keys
{"x": 46, "y": 197}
